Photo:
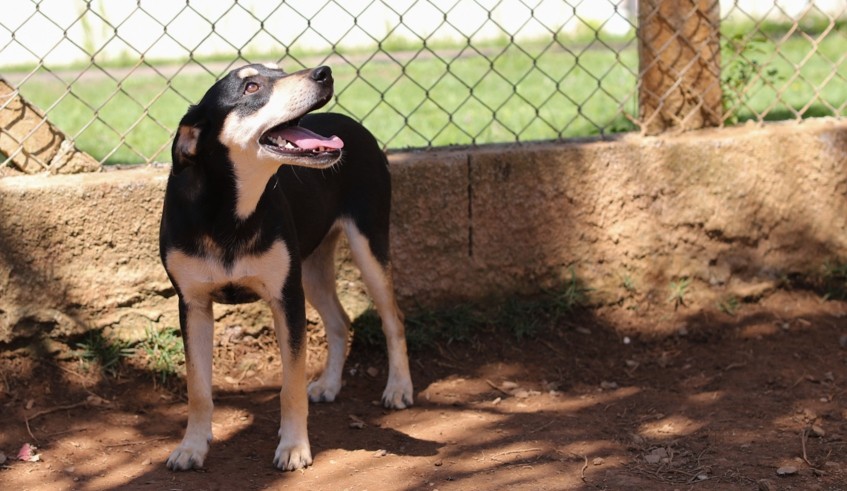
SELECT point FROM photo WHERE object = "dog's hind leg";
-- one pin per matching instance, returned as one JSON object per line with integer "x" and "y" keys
{"x": 293, "y": 451}
{"x": 319, "y": 286}
{"x": 376, "y": 273}
{"x": 197, "y": 325}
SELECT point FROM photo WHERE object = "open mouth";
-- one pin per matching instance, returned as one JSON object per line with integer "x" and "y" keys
{"x": 291, "y": 139}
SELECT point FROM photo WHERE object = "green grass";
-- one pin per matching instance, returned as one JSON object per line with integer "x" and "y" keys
{"x": 463, "y": 98}
{"x": 164, "y": 352}
{"x": 519, "y": 317}
{"x": 107, "y": 353}
{"x": 495, "y": 92}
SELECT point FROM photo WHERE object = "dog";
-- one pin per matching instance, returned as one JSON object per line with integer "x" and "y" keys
{"x": 258, "y": 195}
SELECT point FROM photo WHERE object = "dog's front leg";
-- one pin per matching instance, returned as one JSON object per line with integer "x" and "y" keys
{"x": 197, "y": 324}
{"x": 293, "y": 451}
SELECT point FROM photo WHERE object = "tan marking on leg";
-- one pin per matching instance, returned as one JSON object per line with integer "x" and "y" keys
{"x": 191, "y": 452}
{"x": 320, "y": 289}
{"x": 293, "y": 451}
{"x": 398, "y": 391}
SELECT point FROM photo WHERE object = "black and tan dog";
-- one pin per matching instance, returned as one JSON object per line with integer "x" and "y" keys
{"x": 254, "y": 206}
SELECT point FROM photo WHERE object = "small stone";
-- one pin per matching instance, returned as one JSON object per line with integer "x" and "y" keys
{"x": 598, "y": 461}
{"x": 70, "y": 470}
{"x": 608, "y": 385}
{"x": 817, "y": 431}
{"x": 656, "y": 455}
{"x": 380, "y": 453}
{"x": 766, "y": 485}
{"x": 626, "y": 340}
{"x": 439, "y": 463}
{"x": 147, "y": 461}
{"x": 583, "y": 330}
{"x": 521, "y": 394}
{"x": 652, "y": 459}
{"x": 355, "y": 422}
{"x": 702, "y": 477}
{"x": 786, "y": 470}
{"x": 373, "y": 371}
{"x": 631, "y": 363}
{"x": 507, "y": 385}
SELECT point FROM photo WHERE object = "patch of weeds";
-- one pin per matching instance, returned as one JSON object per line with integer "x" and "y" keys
{"x": 164, "y": 351}
{"x": 834, "y": 280}
{"x": 729, "y": 305}
{"x": 743, "y": 70}
{"x": 678, "y": 290}
{"x": 106, "y": 351}
{"x": 522, "y": 317}
{"x": 423, "y": 328}
{"x": 628, "y": 284}
{"x": 519, "y": 316}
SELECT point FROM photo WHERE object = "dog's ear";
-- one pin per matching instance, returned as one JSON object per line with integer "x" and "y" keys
{"x": 184, "y": 149}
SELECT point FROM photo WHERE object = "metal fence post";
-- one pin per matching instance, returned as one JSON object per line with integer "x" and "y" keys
{"x": 679, "y": 64}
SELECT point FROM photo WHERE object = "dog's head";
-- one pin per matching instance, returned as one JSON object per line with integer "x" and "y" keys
{"x": 254, "y": 113}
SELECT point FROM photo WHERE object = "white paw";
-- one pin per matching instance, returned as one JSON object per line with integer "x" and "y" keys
{"x": 398, "y": 394}
{"x": 190, "y": 454}
{"x": 290, "y": 457}
{"x": 322, "y": 391}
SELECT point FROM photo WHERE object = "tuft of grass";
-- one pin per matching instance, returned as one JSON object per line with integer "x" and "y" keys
{"x": 105, "y": 351}
{"x": 834, "y": 280}
{"x": 164, "y": 351}
{"x": 520, "y": 317}
{"x": 678, "y": 291}
{"x": 729, "y": 305}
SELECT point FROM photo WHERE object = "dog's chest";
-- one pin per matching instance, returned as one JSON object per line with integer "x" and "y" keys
{"x": 208, "y": 275}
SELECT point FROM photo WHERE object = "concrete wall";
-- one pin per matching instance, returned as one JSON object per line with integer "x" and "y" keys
{"x": 731, "y": 209}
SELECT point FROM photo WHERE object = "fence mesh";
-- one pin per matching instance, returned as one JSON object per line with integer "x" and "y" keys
{"x": 113, "y": 78}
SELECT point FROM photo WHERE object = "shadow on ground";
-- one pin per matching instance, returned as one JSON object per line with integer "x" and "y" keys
{"x": 597, "y": 401}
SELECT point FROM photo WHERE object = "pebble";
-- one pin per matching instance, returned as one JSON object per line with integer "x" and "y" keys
{"x": 608, "y": 385}
{"x": 380, "y": 453}
{"x": 766, "y": 485}
{"x": 786, "y": 470}
{"x": 598, "y": 461}
{"x": 818, "y": 431}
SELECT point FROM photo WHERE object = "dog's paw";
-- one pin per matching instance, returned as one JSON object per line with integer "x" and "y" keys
{"x": 398, "y": 395}
{"x": 322, "y": 391}
{"x": 188, "y": 455}
{"x": 292, "y": 457}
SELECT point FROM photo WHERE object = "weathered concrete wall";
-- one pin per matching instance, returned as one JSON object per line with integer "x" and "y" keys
{"x": 731, "y": 209}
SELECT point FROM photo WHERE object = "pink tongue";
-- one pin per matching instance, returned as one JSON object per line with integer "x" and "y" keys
{"x": 309, "y": 140}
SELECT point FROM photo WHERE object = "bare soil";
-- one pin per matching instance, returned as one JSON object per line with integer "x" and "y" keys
{"x": 608, "y": 399}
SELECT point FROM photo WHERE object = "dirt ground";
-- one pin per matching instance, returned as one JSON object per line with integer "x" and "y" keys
{"x": 608, "y": 399}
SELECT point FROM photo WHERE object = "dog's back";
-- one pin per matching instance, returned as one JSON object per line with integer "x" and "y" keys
{"x": 357, "y": 188}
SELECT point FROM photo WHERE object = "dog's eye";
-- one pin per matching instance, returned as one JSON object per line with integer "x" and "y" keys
{"x": 251, "y": 87}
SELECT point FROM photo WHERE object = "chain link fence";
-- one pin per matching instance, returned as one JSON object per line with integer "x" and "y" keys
{"x": 110, "y": 79}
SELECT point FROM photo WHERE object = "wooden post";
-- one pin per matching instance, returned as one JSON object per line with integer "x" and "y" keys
{"x": 679, "y": 64}
{"x": 32, "y": 142}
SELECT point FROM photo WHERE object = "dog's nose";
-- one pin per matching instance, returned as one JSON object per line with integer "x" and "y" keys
{"x": 322, "y": 75}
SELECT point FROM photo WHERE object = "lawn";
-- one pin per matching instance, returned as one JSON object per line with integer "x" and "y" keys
{"x": 459, "y": 95}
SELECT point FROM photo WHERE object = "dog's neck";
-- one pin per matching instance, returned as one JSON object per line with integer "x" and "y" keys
{"x": 251, "y": 178}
